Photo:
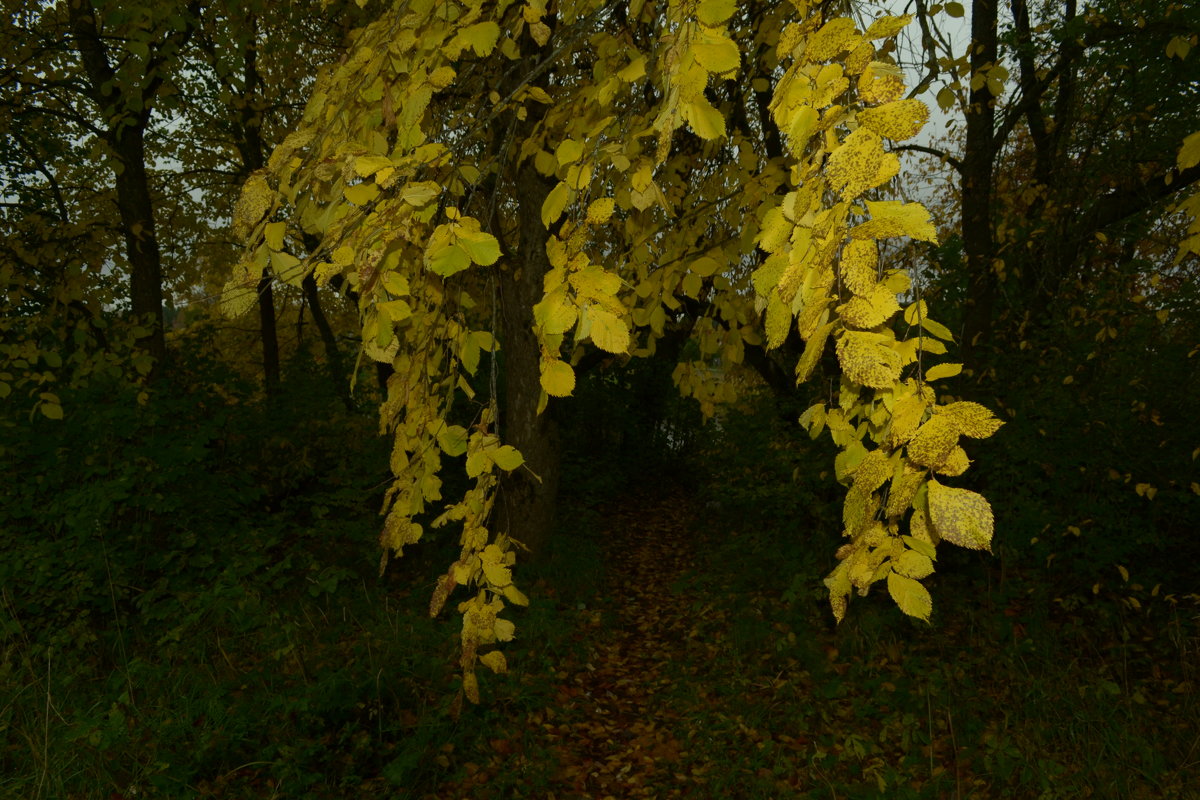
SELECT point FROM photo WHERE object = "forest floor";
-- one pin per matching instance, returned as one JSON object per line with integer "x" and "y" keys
{"x": 675, "y": 647}
{"x": 692, "y": 680}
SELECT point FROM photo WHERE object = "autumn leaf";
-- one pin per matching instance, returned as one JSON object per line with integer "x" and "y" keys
{"x": 960, "y": 516}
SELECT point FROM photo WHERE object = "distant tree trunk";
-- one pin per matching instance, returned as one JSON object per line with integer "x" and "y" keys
{"x": 333, "y": 355}
{"x": 978, "y": 162}
{"x": 525, "y": 505}
{"x": 268, "y": 333}
{"x": 126, "y": 110}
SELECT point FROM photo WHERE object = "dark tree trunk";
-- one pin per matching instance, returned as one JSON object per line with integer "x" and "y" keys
{"x": 978, "y": 161}
{"x": 127, "y": 111}
{"x": 333, "y": 355}
{"x": 270, "y": 339}
{"x": 525, "y": 505}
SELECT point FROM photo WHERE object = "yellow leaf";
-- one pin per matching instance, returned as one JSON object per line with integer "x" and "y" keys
{"x": 497, "y": 574}
{"x": 955, "y": 463}
{"x": 366, "y": 166}
{"x": 971, "y": 419}
{"x": 494, "y": 660}
{"x": 813, "y": 349}
{"x": 609, "y": 332}
{"x": 482, "y": 247}
{"x": 558, "y": 379}
{"x": 554, "y": 204}
{"x": 705, "y": 120}
{"x": 360, "y": 194}
{"x": 600, "y": 211}
{"x": 515, "y": 596}
{"x": 911, "y": 597}
{"x": 914, "y": 565}
{"x": 868, "y": 359}
{"x": 480, "y": 37}
{"x": 960, "y": 516}
{"x": 471, "y": 687}
{"x": 895, "y": 218}
{"x": 716, "y": 52}
{"x": 852, "y": 167}
{"x": 872, "y": 472}
{"x": 898, "y": 120}
{"x": 779, "y": 320}
{"x": 887, "y": 27}
{"x": 1189, "y": 153}
{"x": 508, "y": 458}
{"x": 287, "y": 268}
{"x": 705, "y": 266}
{"x": 715, "y": 12}
{"x": 555, "y": 313}
{"x": 955, "y": 10}
{"x": 273, "y": 234}
{"x": 933, "y": 441}
{"x": 868, "y": 312}
{"x": 859, "y": 266}
{"x": 237, "y": 297}
{"x": 420, "y": 193}
{"x": 939, "y": 371}
{"x": 255, "y": 201}
{"x": 906, "y": 417}
{"x": 504, "y": 630}
{"x": 832, "y": 38}
{"x": 568, "y": 152}
{"x": 453, "y": 440}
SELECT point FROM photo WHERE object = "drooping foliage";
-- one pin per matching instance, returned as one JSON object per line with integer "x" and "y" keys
{"x": 710, "y": 169}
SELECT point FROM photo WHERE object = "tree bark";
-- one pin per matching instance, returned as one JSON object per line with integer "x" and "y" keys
{"x": 268, "y": 333}
{"x": 977, "y": 166}
{"x": 526, "y": 500}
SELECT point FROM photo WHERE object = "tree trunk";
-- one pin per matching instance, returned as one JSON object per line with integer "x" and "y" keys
{"x": 127, "y": 110}
{"x": 270, "y": 339}
{"x": 978, "y": 160}
{"x": 141, "y": 242}
{"x": 333, "y": 355}
{"x": 525, "y": 505}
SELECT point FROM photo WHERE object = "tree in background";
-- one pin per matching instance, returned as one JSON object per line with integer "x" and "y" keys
{"x": 1067, "y": 257}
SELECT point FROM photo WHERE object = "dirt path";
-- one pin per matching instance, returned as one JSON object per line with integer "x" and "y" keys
{"x": 614, "y": 729}
{"x": 610, "y": 730}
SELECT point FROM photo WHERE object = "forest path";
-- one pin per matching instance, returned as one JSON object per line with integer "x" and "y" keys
{"x": 613, "y": 726}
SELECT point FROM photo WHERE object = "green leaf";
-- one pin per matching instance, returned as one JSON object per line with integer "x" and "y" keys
{"x": 51, "y": 410}
{"x": 912, "y": 598}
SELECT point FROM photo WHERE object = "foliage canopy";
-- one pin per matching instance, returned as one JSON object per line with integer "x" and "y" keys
{"x": 707, "y": 170}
